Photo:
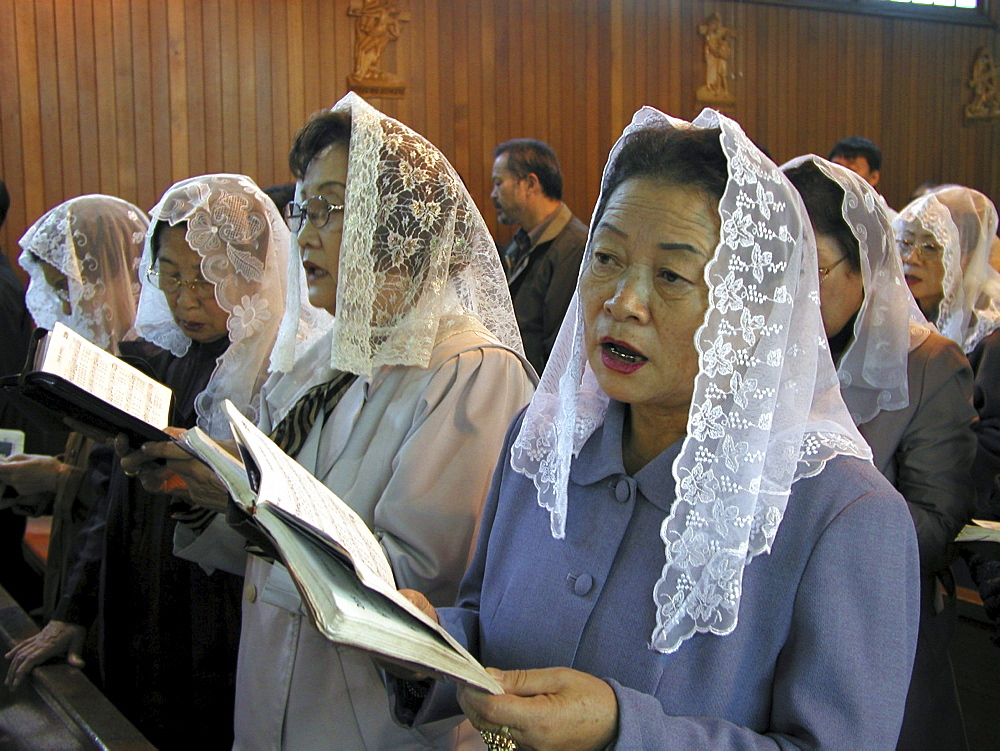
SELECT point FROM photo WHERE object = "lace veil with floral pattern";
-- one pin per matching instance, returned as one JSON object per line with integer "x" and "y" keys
{"x": 964, "y": 222}
{"x": 243, "y": 243}
{"x": 766, "y": 408}
{"x": 95, "y": 241}
{"x": 889, "y": 325}
{"x": 416, "y": 259}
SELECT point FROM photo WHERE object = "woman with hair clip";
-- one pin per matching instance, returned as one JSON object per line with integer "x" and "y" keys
{"x": 400, "y": 408}
{"x": 82, "y": 258}
{"x": 685, "y": 544}
{"x": 213, "y": 275}
{"x": 909, "y": 390}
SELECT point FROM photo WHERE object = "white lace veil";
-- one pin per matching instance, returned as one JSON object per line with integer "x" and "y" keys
{"x": 243, "y": 243}
{"x": 766, "y": 408}
{"x": 95, "y": 241}
{"x": 964, "y": 222}
{"x": 416, "y": 257}
{"x": 889, "y": 325}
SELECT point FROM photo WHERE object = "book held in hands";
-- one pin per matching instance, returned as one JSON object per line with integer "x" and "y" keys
{"x": 68, "y": 376}
{"x": 338, "y": 566}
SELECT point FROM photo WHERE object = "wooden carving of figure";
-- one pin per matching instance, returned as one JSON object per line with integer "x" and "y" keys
{"x": 983, "y": 82}
{"x": 379, "y": 22}
{"x": 718, "y": 50}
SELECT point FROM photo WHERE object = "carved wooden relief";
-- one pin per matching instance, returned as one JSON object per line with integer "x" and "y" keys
{"x": 377, "y": 23}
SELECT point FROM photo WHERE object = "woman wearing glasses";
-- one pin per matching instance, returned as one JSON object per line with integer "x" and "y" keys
{"x": 909, "y": 390}
{"x": 400, "y": 408}
{"x": 213, "y": 277}
{"x": 945, "y": 238}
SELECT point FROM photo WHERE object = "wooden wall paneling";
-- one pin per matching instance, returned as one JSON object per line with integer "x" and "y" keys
{"x": 33, "y": 194}
{"x": 211, "y": 57}
{"x": 48, "y": 100}
{"x": 124, "y": 100}
{"x": 274, "y": 149}
{"x": 462, "y": 127}
{"x": 63, "y": 52}
{"x": 436, "y": 76}
{"x": 231, "y": 73}
{"x": 158, "y": 43}
{"x": 107, "y": 111}
{"x": 261, "y": 130}
{"x": 247, "y": 72}
{"x": 296, "y": 81}
{"x": 180, "y": 160}
{"x": 479, "y": 179}
{"x": 11, "y": 157}
{"x": 128, "y": 96}
{"x": 146, "y": 189}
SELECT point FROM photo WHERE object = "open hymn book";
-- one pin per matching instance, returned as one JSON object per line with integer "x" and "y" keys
{"x": 335, "y": 561}
{"x": 69, "y": 376}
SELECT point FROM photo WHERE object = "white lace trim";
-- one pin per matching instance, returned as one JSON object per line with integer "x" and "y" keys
{"x": 243, "y": 243}
{"x": 766, "y": 408}
{"x": 95, "y": 241}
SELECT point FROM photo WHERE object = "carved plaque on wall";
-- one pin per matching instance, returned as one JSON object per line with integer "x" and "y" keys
{"x": 985, "y": 102}
{"x": 717, "y": 50}
{"x": 377, "y": 22}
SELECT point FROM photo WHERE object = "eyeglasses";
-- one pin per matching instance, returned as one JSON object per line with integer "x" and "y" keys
{"x": 171, "y": 284}
{"x": 316, "y": 208}
{"x": 924, "y": 252}
{"x": 824, "y": 272}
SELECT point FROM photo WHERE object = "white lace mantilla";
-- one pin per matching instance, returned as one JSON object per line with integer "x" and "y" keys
{"x": 95, "y": 241}
{"x": 243, "y": 243}
{"x": 964, "y": 223}
{"x": 766, "y": 408}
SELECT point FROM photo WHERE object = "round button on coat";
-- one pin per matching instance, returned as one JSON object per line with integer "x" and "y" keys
{"x": 622, "y": 491}
{"x": 583, "y": 584}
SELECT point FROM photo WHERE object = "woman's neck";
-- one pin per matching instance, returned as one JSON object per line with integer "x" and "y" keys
{"x": 647, "y": 433}
{"x": 930, "y": 306}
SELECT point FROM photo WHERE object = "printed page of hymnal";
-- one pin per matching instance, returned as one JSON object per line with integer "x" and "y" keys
{"x": 66, "y": 354}
{"x": 340, "y": 568}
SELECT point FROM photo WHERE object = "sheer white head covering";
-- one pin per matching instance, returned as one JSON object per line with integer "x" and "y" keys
{"x": 416, "y": 259}
{"x": 964, "y": 222}
{"x": 889, "y": 325}
{"x": 243, "y": 243}
{"x": 95, "y": 241}
{"x": 766, "y": 408}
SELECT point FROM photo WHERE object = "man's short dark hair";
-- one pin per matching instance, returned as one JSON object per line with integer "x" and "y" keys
{"x": 526, "y": 156}
{"x": 855, "y": 146}
{"x": 324, "y": 129}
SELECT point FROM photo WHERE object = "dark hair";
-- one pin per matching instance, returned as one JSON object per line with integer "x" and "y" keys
{"x": 689, "y": 158}
{"x": 824, "y": 200}
{"x": 324, "y": 129}
{"x": 281, "y": 195}
{"x": 526, "y": 156}
{"x": 154, "y": 238}
{"x": 855, "y": 146}
{"x": 4, "y": 202}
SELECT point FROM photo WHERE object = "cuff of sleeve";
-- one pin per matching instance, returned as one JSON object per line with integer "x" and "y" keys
{"x": 217, "y": 547}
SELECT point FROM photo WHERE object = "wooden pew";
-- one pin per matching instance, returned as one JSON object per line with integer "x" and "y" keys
{"x": 57, "y": 707}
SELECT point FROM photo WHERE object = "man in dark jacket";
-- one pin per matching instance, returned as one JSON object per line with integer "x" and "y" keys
{"x": 543, "y": 260}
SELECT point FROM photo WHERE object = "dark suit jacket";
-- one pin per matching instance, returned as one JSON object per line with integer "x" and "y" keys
{"x": 926, "y": 450}
{"x": 542, "y": 289}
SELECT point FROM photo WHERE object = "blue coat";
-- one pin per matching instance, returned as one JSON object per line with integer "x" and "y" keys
{"x": 827, "y": 628}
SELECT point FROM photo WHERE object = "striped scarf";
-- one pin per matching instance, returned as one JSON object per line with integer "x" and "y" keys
{"x": 292, "y": 430}
{"x": 289, "y": 436}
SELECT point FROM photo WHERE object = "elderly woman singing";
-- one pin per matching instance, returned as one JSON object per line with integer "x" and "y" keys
{"x": 686, "y": 544}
